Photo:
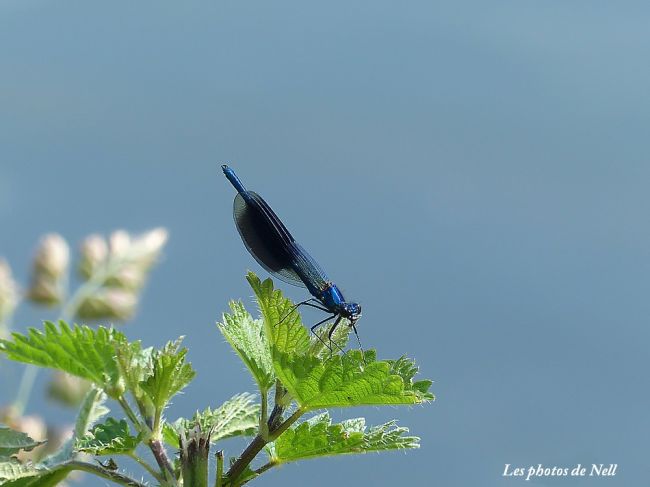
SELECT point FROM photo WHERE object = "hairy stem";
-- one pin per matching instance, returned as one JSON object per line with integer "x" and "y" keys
{"x": 265, "y": 467}
{"x": 147, "y": 467}
{"x": 130, "y": 413}
{"x": 160, "y": 455}
{"x": 218, "y": 480}
{"x": 256, "y": 446}
{"x": 114, "y": 476}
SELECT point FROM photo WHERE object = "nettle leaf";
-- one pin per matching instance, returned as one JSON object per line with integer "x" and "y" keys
{"x": 342, "y": 381}
{"x": 136, "y": 366}
{"x": 48, "y": 478}
{"x": 79, "y": 350}
{"x": 11, "y": 442}
{"x": 318, "y": 378}
{"x": 53, "y": 469}
{"x": 318, "y": 437}
{"x": 109, "y": 438}
{"x": 169, "y": 374}
{"x": 12, "y": 469}
{"x": 239, "y": 416}
{"x": 281, "y": 320}
{"x": 320, "y": 341}
{"x": 406, "y": 369}
{"x": 92, "y": 409}
{"x": 249, "y": 339}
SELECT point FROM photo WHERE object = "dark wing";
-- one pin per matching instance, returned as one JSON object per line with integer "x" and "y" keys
{"x": 266, "y": 237}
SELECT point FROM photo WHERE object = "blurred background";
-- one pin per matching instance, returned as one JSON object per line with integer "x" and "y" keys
{"x": 474, "y": 173}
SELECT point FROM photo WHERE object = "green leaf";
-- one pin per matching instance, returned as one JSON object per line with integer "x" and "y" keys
{"x": 239, "y": 416}
{"x": 11, "y": 469}
{"x": 80, "y": 351}
{"x": 320, "y": 341}
{"x": 342, "y": 381}
{"x": 92, "y": 409}
{"x": 136, "y": 366}
{"x": 11, "y": 442}
{"x": 318, "y": 378}
{"x": 406, "y": 369}
{"x": 47, "y": 478}
{"x": 109, "y": 438}
{"x": 169, "y": 374}
{"x": 318, "y": 437}
{"x": 248, "y": 338}
{"x": 281, "y": 320}
{"x": 52, "y": 469}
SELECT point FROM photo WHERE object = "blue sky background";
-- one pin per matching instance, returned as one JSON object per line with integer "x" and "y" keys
{"x": 474, "y": 173}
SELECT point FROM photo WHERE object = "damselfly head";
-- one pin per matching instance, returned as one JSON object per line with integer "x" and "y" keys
{"x": 351, "y": 311}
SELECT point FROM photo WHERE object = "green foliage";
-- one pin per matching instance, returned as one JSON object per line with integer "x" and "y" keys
{"x": 317, "y": 378}
{"x": 248, "y": 338}
{"x": 282, "y": 322}
{"x": 53, "y": 468}
{"x": 342, "y": 381}
{"x": 318, "y": 437}
{"x": 239, "y": 416}
{"x": 169, "y": 374}
{"x": 277, "y": 349}
{"x": 78, "y": 350}
{"x": 320, "y": 341}
{"x": 11, "y": 442}
{"x": 109, "y": 438}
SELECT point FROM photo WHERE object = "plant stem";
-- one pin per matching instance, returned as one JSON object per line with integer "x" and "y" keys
{"x": 218, "y": 480}
{"x": 264, "y": 427}
{"x": 160, "y": 455}
{"x": 117, "y": 477}
{"x": 25, "y": 389}
{"x": 265, "y": 467}
{"x": 147, "y": 467}
{"x": 256, "y": 446}
{"x": 129, "y": 412}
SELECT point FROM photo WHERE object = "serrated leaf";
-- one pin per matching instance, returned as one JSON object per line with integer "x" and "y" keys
{"x": 109, "y": 438}
{"x": 93, "y": 408}
{"x": 136, "y": 366}
{"x": 320, "y": 341}
{"x": 318, "y": 437}
{"x": 343, "y": 381}
{"x": 11, "y": 442}
{"x": 315, "y": 377}
{"x": 249, "y": 339}
{"x": 239, "y": 416}
{"x": 406, "y": 369}
{"x": 79, "y": 350}
{"x": 281, "y": 320}
{"x": 11, "y": 469}
{"x": 169, "y": 374}
{"x": 47, "y": 478}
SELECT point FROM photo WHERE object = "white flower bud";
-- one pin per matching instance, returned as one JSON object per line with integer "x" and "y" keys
{"x": 120, "y": 243}
{"x": 109, "y": 303}
{"x": 94, "y": 251}
{"x": 52, "y": 256}
{"x": 8, "y": 291}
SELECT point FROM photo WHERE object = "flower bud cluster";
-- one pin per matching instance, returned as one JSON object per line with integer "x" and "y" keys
{"x": 50, "y": 271}
{"x": 121, "y": 267}
{"x": 8, "y": 292}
